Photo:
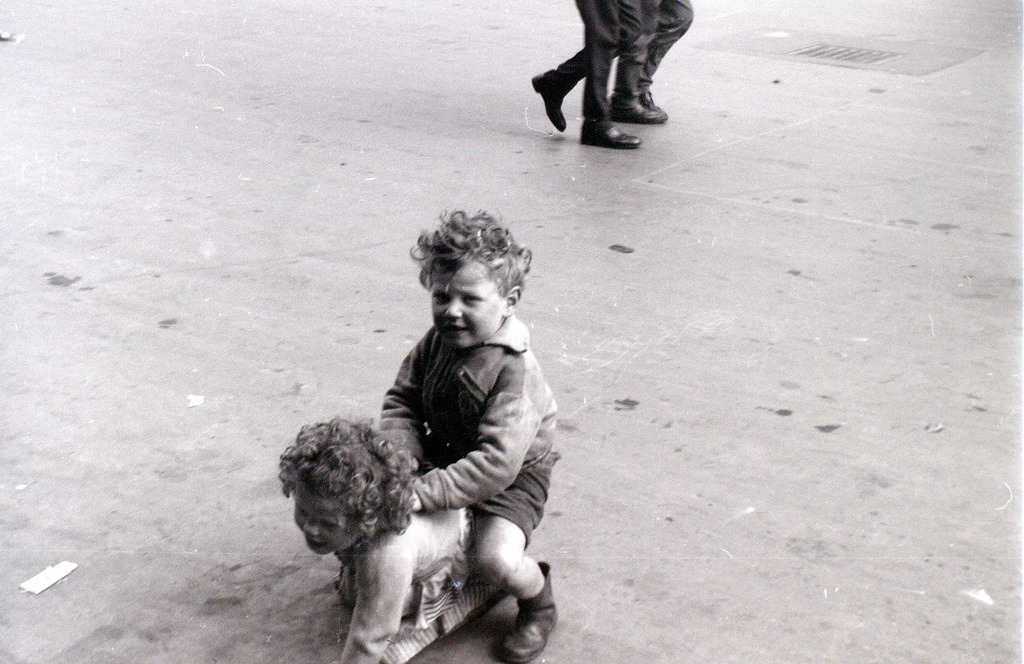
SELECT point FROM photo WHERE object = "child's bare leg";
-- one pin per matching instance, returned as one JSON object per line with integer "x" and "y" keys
{"x": 500, "y": 554}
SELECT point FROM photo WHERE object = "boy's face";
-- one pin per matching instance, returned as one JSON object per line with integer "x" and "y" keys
{"x": 467, "y": 305}
{"x": 322, "y": 522}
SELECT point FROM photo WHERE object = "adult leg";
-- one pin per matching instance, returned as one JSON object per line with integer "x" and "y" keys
{"x": 639, "y": 23}
{"x": 601, "y": 41}
{"x": 554, "y": 84}
{"x": 500, "y": 555}
{"x": 674, "y": 19}
{"x": 592, "y": 62}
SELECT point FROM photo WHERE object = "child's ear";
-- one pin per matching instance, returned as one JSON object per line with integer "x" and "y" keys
{"x": 512, "y": 297}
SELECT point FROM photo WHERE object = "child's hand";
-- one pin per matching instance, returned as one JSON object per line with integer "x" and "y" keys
{"x": 417, "y": 506}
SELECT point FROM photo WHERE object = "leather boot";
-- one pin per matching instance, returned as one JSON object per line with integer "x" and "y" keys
{"x": 633, "y": 112}
{"x": 537, "y": 617}
{"x": 647, "y": 101}
{"x": 552, "y": 93}
{"x": 626, "y": 100}
{"x": 606, "y": 135}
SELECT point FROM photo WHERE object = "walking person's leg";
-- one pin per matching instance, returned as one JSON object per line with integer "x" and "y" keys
{"x": 602, "y": 36}
{"x": 592, "y": 64}
{"x": 638, "y": 20}
{"x": 674, "y": 20}
{"x": 554, "y": 84}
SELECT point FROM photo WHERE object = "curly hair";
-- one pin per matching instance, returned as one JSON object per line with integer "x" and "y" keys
{"x": 459, "y": 239}
{"x": 348, "y": 461}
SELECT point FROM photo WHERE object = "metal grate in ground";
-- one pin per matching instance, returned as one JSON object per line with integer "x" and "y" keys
{"x": 896, "y": 57}
{"x": 845, "y": 54}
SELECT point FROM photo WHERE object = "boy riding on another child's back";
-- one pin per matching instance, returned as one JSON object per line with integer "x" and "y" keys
{"x": 471, "y": 404}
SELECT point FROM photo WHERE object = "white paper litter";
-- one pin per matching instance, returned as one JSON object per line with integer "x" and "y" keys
{"x": 979, "y": 595}
{"x": 195, "y": 400}
{"x": 48, "y": 577}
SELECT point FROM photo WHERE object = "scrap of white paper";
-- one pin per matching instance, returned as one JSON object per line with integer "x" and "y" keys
{"x": 979, "y": 595}
{"x": 195, "y": 400}
{"x": 48, "y": 577}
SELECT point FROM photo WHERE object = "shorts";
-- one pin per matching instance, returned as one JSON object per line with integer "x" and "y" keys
{"x": 523, "y": 502}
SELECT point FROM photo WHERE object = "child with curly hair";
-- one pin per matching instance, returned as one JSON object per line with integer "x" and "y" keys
{"x": 404, "y": 574}
{"x": 472, "y": 405}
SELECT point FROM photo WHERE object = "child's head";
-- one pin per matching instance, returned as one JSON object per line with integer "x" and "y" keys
{"x": 459, "y": 239}
{"x": 475, "y": 272}
{"x": 351, "y": 486}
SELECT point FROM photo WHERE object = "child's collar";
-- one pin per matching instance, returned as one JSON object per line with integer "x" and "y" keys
{"x": 513, "y": 334}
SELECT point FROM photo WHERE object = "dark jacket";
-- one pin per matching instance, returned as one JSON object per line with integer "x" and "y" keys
{"x": 475, "y": 417}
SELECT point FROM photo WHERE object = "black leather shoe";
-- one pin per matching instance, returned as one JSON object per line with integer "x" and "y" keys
{"x": 647, "y": 101}
{"x": 537, "y": 618}
{"x": 607, "y": 135}
{"x": 552, "y": 96}
{"x": 634, "y": 112}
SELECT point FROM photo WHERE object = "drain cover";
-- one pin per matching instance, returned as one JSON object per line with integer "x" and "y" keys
{"x": 896, "y": 57}
{"x": 844, "y": 54}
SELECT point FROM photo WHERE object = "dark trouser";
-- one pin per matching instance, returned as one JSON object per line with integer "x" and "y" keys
{"x": 638, "y": 64}
{"x": 609, "y": 27}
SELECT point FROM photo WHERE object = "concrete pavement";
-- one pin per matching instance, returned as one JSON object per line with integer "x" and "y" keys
{"x": 790, "y": 396}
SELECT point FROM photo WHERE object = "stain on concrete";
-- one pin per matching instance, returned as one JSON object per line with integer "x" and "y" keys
{"x": 109, "y": 633}
{"x": 869, "y": 484}
{"x": 809, "y": 547}
{"x": 827, "y": 428}
{"x": 626, "y": 404}
{"x": 168, "y": 323}
{"x": 217, "y": 605}
{"x": 55, "y": 279}
{"x": 622, "y": 249}
{"x": 782, "y": 412}
{"x": 10, "y": 523}
{"x": 944, "y": 227}
{"x": 566, "y": 425}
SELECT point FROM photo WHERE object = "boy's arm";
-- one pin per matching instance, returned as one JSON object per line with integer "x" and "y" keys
{"x": 508, "y": 427}
{"x": 382, "y": 580}
{"x": 401, "y": 418}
